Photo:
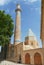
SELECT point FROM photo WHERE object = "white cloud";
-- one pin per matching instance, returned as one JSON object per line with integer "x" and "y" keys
{"x": 3, "y": 2}
{"x": 32, "y": 1}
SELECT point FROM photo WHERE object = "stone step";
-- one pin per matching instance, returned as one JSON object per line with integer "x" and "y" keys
{"x": 9, "y": 63}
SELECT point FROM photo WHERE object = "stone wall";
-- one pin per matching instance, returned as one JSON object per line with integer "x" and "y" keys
{"x": 32, "y": 53}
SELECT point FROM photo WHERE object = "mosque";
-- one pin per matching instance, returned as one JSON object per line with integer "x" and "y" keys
{"x": 27, "y": 52}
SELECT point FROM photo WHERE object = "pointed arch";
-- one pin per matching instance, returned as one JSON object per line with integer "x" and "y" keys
{"x": 37, "y": 59}
{"x": 27, "y": 58}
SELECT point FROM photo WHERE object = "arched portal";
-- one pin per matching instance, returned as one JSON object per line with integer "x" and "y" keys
{"x": 37, "y": 59}
{"x": 27, "y": 58}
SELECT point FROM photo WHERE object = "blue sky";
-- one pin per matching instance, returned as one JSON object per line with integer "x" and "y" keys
{"x": 30, "y": 16}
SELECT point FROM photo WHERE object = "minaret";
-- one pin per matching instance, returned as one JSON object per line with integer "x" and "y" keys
{"x": 17, "y": 33}
{"x": 42, "y": 23}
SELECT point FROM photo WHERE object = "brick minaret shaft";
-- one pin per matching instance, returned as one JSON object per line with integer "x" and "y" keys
{"x": 42, "y": 23}
{"x": 18, "y": 25}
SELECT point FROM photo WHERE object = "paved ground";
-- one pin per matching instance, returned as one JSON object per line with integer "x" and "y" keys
{"x": 9, "y": 63}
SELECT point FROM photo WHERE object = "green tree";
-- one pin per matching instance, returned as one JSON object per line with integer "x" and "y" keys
{"x": 6, "y": 28}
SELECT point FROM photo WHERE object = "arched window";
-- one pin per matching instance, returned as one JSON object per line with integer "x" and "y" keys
{"x": 37, "y": 59}
{"x": 27, "y": 58}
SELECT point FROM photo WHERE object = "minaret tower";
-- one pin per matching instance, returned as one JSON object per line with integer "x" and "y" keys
{"x": 17, "y": 35}
{"x": 42, "y": 23}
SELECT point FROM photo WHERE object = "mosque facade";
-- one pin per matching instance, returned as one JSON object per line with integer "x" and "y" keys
{"x": 27, "y": 52}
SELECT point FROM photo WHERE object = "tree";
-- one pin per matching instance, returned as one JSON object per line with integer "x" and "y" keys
{"x": 6, "y": 28}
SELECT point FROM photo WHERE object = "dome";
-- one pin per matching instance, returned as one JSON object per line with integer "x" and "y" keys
{"x": 31, "y": 34}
